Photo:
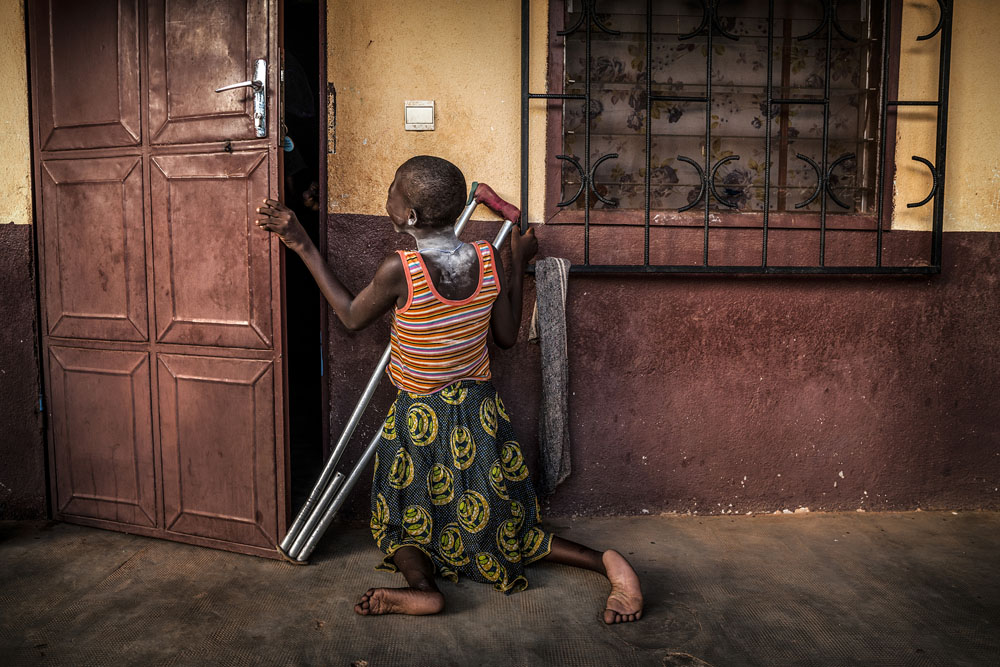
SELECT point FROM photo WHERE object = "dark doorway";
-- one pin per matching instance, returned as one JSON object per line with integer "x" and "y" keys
{"x": 303, "y": 176}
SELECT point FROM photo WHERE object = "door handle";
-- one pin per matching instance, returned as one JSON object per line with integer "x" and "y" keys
{"x": 259, "y": 85}
{"x": 256, "y": 85}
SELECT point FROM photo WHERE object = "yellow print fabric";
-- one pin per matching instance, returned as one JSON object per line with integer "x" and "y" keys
{"x": 453, "y": 483}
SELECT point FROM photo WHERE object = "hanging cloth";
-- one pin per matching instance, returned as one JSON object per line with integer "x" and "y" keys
{"x": 548, "y": 328}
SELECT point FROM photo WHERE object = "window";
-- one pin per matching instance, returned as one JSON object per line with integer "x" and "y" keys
{"x": 730, "y": 114}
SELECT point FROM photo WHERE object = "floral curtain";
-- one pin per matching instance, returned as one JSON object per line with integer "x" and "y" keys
{"x": 738, "y": 115}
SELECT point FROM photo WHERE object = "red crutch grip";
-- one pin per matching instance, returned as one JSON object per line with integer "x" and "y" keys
{"x": 484, "y": 195}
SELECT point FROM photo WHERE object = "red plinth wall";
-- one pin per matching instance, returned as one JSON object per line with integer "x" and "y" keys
{"x": 740, "y": 394}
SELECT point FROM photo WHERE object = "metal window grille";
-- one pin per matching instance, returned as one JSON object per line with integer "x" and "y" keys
{"x": 711, "y": 29}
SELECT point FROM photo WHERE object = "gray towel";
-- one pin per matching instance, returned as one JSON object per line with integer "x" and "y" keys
{"x": 548, "y": 327}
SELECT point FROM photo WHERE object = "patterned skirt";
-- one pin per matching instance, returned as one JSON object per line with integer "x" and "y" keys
{"x": 450, "y": 480}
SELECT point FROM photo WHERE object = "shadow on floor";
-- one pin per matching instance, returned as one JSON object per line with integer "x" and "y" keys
{"x": 820, "y": 589}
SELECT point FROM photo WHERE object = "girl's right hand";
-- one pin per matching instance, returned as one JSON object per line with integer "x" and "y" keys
{"x": 275, "y": 217}
{"x": 523, "y": 246}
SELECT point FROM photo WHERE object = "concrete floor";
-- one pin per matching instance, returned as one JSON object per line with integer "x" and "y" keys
{"x": 819, "y": 589}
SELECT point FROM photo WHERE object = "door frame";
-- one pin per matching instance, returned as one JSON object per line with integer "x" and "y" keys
{"x": 323, "y": 89}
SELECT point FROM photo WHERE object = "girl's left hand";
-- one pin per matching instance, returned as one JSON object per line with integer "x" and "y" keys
{"x": 523, "y": 246}
{"x": 275, "y": 217}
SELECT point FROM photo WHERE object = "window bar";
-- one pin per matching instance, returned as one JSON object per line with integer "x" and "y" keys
{"x": 525, "y": 99}
{"x": 678, "y": 98}
{"x": 784, "y": 114}
{"x": 649, "y": 123}
{"x": 944, "y": 23}
{"x": 883, "y": 97}
{"x": 750, "y": 269}
{"x": 867, "y": 134}
{"x": 798, "y": 100}
{"x": 830, "y": 8}
{"x": 708, "y": 125}
{"x": 767, "y": 128}
{"x": 555, "y": 96}
{"x": 588, "y": 13}
{"x": 589, "y": 4}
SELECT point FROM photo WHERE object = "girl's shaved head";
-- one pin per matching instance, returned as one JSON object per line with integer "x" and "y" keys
{"x": 433, "y": 187}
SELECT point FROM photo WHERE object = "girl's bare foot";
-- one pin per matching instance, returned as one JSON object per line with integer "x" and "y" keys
{"x": 399, "y": 601}
{"x": 625, "y": 602}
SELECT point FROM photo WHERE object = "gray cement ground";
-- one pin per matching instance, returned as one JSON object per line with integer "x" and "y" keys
{"x": 818, "y": 589}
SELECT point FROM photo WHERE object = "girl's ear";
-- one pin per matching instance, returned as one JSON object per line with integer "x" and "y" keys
{"x": 411, "y": 217}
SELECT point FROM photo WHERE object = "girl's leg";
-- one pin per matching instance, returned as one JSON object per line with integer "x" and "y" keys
{"x": 625, "y": 602}
{"x": 420, "y": 597}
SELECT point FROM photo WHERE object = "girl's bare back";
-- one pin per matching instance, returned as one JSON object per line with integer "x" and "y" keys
{"x": 455, "y": 274}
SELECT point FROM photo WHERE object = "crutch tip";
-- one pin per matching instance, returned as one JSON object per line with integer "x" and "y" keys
{"x": 286, "y": 557}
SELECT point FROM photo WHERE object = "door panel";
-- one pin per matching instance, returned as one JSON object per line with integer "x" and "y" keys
{"x": 91, "y": 96}
{"x": 162, "y": 300}
{"x": 218, "y": 453}
{"x": 103, "y": 435}
{"x": 212, "y": 270}
{"x": 94, "y": 242}
{"x": 194, "y": 48}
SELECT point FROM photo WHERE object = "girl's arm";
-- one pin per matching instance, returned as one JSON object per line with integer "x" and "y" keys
{"x": 356, "y": 312}
{"x": 505, "y": 320}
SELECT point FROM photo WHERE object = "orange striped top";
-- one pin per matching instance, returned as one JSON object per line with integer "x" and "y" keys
{"x": 436, "y": 341}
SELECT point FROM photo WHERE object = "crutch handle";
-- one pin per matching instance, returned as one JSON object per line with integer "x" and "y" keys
{"x": 484, "y": 195}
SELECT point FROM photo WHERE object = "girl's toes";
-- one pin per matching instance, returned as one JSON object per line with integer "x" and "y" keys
{"x": 363, "y": 606}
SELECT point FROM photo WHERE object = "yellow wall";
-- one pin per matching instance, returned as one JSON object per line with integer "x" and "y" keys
{"x": 466, "y": 56}
{"x": 972, "y": 175}
{"x": 15, "y": 137}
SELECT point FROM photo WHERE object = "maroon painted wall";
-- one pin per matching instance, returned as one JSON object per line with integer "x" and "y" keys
{"x": 682, "y": 386}
{"x": 740, "y": 394}
{"x": 22, "y": 450}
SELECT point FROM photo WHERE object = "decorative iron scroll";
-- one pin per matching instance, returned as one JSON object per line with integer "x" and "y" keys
{"x": 713, "y": 25}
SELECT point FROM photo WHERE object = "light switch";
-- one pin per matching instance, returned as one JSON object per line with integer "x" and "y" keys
{"x": 418, "y": 114}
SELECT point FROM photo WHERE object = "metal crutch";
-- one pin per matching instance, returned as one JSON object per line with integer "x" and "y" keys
{"x": 327, "y": 483}
{"x": 321, "y": 506}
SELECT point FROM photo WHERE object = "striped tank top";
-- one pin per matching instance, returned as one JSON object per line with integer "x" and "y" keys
{"x": 436, "y": 341}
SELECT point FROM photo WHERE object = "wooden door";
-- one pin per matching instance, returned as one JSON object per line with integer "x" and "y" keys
{"x": 161, "y": 300}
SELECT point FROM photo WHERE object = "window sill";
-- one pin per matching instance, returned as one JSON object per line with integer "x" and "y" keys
{"x": 717, "y": 218}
